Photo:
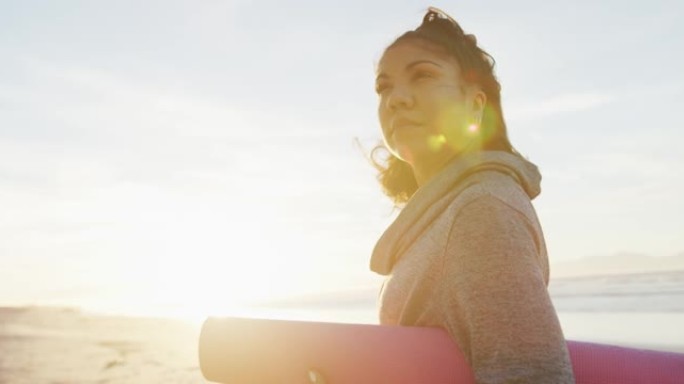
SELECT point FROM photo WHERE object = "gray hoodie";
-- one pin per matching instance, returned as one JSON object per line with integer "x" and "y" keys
{"x": 467, "y": 254}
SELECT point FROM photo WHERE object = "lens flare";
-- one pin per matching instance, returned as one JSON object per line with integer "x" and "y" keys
{"x": 436, "y": 142}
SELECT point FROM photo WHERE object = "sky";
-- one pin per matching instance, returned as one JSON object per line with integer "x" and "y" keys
{"x": 189, "y": 157}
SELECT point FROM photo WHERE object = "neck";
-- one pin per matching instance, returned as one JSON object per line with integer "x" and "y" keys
{"x": 425, "y": 171}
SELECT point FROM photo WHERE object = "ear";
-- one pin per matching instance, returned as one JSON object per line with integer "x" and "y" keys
{"x": 479, "y": 101}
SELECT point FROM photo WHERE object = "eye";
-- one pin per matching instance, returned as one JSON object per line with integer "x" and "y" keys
{"x": 419, "y": 75}
{"x": 381, "y": 87}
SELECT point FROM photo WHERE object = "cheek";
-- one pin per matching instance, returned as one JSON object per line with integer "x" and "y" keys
{"x": 384, "y": 118}
{"x": 454, "y": 123}
{"x": 447, "y": 115}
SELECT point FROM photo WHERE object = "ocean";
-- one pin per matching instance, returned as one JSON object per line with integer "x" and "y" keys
{"x": 61, "y": 345}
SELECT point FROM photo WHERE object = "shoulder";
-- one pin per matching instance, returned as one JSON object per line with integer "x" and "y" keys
{"x": 493, "y": 192}
{"x": 493, "y": 221}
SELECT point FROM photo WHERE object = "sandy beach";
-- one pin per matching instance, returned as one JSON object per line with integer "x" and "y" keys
{"x": 48, "y": 345}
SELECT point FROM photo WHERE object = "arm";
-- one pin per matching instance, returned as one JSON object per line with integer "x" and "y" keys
{"x": 495, "y": 297}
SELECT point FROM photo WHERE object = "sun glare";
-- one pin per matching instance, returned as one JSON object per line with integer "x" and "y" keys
{"x": 436, "y": 142}
{"x": 171, "y": 266}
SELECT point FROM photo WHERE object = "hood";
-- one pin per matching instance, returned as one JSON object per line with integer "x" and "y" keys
{"x": 432, "y": 199}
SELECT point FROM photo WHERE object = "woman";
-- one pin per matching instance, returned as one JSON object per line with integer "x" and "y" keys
{"x": 466, "y": 253}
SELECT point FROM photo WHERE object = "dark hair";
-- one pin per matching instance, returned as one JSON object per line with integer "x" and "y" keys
{"x": 477, "y": 67}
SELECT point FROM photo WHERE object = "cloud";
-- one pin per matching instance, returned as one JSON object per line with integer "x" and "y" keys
{"x": 69, "y": 121}
{"x": 96, "y": 102}
{"x": 555, "y": 105}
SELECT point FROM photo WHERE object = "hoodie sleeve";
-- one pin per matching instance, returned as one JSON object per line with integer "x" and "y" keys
{"x": 494, "y": 300}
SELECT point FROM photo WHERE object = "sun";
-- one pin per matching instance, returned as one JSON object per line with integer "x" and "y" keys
{"x": 197, "y": 260}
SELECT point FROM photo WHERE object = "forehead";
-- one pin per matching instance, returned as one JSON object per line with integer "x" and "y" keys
{"x": 402, "y": 53}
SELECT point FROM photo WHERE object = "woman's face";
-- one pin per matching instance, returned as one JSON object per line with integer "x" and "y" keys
{"x": 426, "y": 111}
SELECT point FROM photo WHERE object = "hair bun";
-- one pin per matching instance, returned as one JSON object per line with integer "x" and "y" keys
{"x": 471, "y": 38}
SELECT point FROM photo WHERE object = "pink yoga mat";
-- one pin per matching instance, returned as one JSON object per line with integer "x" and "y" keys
{"x": 250, "y": 351}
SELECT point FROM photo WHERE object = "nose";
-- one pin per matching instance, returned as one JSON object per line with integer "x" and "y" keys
{"x": 399, "y": 97}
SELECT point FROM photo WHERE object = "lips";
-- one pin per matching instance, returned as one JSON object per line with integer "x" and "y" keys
{"x": 403, "y": 122}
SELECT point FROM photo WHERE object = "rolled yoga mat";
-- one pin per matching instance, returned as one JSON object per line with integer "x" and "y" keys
{"x": 260, "y": 351}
